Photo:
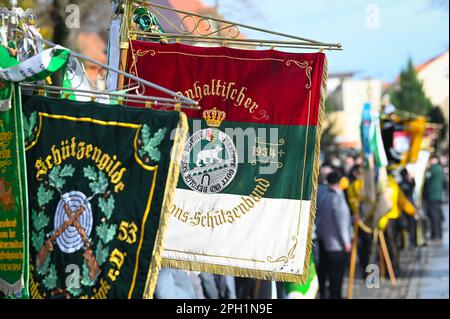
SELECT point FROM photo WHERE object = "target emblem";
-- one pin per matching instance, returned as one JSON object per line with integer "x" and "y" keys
{"x": 71, "y": 239}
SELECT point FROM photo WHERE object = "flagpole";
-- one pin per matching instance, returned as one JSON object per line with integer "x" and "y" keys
{"x": 387, "y": 258}
{"x": 124, "y": 43}
{"x": 128, "y": 75}
{"x": 257, "y": 289}
{"x": 351, "y": 276}
{"x": 274, "y": 289}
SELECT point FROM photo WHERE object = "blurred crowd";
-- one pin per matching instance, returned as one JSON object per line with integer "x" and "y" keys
{"x": 410, "y": 222}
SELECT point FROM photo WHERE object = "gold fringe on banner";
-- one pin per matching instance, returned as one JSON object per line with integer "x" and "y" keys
{"x": 230, "y": 270}
{"x": 312, "y": 214}
{"x": 171, "y": 184}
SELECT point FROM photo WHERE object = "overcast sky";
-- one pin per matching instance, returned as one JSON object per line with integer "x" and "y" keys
{"x": 377, "y": 36}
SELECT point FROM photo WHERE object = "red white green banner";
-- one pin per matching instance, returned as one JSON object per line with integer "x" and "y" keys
{"x": 243, "y": 205}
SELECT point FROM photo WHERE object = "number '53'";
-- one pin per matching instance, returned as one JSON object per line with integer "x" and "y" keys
{"x": 127, "y": 232}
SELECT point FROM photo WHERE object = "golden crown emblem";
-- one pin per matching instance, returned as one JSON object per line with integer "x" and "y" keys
{"x": 214, "y": 117}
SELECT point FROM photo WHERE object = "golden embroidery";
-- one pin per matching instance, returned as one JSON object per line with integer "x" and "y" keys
{"x": 141, "y": 53}
{"x": 290, "y": 254}
{"x": 304, "y": 65}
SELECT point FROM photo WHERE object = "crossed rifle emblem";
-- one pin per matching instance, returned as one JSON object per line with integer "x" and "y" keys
{"x": 88, "y": 254}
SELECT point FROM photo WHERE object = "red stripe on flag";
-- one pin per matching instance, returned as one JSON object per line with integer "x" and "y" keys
{"x": 265, "y": 86}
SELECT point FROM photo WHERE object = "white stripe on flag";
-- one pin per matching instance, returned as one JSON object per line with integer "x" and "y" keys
{"x": 266, "y": 230}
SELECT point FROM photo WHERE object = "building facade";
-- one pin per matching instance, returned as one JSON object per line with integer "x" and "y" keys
{"x": 348, "y": 95}
{"x": 434, "y": 76}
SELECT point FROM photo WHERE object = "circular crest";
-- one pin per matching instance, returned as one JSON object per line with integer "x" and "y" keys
{"x": 209, "y": 161}
{"x": 70, "y": 240}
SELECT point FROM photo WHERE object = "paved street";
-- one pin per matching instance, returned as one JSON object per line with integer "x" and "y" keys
{"x": 433, "y": 281}
{"x": 424, "y": 273}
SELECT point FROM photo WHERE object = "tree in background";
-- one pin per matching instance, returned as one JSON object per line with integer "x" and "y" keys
{"x": 39, "y": 8}
{"x": 409, "y": 96}
{"x": 25, "y": 4}
{"x": 436, "y": 116}
{"x": 53, "y": 15}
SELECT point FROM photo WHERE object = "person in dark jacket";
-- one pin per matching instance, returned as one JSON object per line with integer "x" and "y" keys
{"x": 334, "y": 236}
{"x": 433, "y": 196}
{"x": 407, "y": 185}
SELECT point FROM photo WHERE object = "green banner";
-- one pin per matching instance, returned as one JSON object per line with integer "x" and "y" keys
{"x": 309, "y": 289}
{"x": 13, "y": 202}
{"x": 14, "y": 267}
{"x": 100, "y": 183}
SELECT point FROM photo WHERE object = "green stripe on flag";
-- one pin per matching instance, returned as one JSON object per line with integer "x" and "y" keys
{"x": 378, "y": 146}
{"x": 300, "y": 146}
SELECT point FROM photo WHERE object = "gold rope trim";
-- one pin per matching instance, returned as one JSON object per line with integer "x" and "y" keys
{"x": 171, "y": 184}
{"x": 323, "y": 94}
{"x": 231, "y": 271}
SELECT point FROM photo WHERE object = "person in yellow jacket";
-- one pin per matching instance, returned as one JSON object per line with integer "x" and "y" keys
{"x": 356, "y": 200}
{"x": 399, "y": 203}
{"x": 355, "y": 195}
{"x": 387, "y": 223}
